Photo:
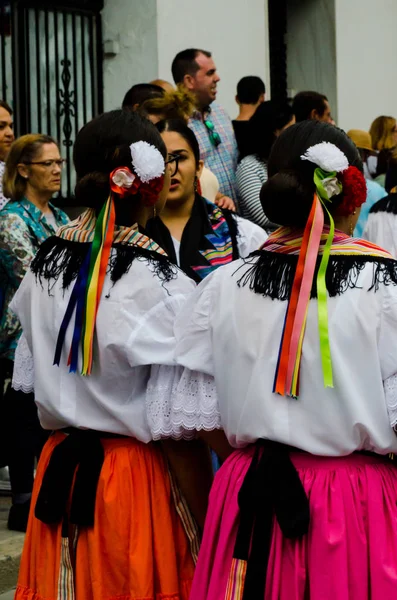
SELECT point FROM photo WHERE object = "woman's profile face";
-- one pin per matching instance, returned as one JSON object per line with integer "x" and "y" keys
{"x": 182, "y": 181}
{"x": 43, "y": 174}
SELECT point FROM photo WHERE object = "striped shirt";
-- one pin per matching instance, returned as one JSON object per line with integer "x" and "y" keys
{"x": 251, "y": 175}
{"x": 221, "y": 160}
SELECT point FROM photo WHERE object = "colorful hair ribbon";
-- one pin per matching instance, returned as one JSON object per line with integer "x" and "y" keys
{"x": 288, "y": 366}
{"x": 87, "y": 293}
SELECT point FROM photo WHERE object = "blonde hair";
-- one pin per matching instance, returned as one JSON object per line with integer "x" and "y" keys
{"x": 381, "y": 132}
{"x": 178, "y": 104}
{"x": 24, "y": 150}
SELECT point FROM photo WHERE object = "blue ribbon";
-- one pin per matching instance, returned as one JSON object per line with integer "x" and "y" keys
{"x": 73, "y": 300}
{"x": 80, "y": 310}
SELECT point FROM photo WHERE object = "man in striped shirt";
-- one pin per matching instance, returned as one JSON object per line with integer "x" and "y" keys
{"x": 196, "y": 71}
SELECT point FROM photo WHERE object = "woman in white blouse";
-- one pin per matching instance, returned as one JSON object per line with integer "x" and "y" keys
{"x": 381, "y": 227}
{"x": 268, "y": 121}
{"x": 97, "y": 310}
{"x": 306, "y": 505}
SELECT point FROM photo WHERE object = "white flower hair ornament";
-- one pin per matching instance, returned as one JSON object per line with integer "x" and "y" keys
{"x": 149, "y": 166}
{"x": 327, "y": 156}
{"x": 147, "y": 161}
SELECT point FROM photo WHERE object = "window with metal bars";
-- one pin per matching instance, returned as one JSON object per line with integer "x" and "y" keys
{"x": 51, "y": 70}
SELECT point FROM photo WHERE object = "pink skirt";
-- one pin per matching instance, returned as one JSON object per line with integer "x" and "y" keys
{"x": 350, "y": 552}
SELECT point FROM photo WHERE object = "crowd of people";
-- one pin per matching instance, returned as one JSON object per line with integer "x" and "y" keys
{"x": 199, "y": 373}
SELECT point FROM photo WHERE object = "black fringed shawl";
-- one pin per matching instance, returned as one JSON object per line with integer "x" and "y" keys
{"x": 388, "y": 205}
{"x": 58, "y": 257}
{"x": 272, "y": 274}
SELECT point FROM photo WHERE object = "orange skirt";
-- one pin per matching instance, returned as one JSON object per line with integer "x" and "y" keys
{"x": 138, "y": 548}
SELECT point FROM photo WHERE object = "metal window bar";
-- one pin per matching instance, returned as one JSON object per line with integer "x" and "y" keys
{"x": 51, "y": 70}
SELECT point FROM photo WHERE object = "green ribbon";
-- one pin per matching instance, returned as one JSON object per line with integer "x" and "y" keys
{"x": 325, "y": 350}
{"x": 319, "y": 177}
{"x": 95, "y": 249}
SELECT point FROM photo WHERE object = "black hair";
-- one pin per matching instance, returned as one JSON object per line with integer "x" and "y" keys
{"x": 383, "y": 163}
{"x": 267, "y": 118}
{"x": 391, "y": 174}
{"x": 305, "y": 102}
{"x": 104, "y": 144}
{"x": 139, "y": 93}
{"x": 179, "y": 126}
{"x": 287, "y": 196}
{"x": 185, "y": 63}
{"x": 250, "y": 89}
{"x": 6, "y": 106}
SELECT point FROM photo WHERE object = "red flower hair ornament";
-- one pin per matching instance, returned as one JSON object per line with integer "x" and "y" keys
{"x": 354, "y": 190}
{"x": 338, "y": 176}
{"x": 147, "y": 178}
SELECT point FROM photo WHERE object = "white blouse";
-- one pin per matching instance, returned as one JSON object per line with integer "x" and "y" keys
{"x": 234, "y": 334}
{"x": 134, "y": 329}
{"x": 381, "y": 229}
{"x": 250, "y": 237}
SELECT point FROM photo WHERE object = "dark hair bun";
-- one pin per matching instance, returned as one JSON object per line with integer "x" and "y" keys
{"x": 104, "y": 144}
{"x": 93, "y": 189}
{"x": 287, "y": 196}
{"x": 286, "y": 200}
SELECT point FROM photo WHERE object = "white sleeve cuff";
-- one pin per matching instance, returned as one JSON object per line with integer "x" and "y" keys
{"x": 181, "y": 402}
{"x": 23, "y": 373}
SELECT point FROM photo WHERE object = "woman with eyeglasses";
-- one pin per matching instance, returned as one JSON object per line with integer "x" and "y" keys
{"x": 32, "y": 176}
{"x": 197, "y": 235}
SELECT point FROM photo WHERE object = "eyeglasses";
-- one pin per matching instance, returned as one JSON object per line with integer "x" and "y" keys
{"x": 173, "y": 158}
{"x": 214, "y": 136}
{"x": 48, "y": 164}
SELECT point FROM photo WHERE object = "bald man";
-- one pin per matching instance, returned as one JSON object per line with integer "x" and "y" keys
{"x": 167, "y": 87}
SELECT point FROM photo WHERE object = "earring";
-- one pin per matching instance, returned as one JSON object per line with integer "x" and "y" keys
{"x": 154, "y": 211}
{"x": 195, "y": 185}
{"x": 351, "y": 223}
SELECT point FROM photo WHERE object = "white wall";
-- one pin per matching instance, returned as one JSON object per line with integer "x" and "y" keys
{"x": 236, "y": 33}
{"x": 311, "y": 53}
{"x": 132, "y": 25}
{"x": 366, "y": 51}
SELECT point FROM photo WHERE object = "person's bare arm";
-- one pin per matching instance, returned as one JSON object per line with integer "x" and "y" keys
{"x": 217, "y": 440}
{"x": 190, "y": 462}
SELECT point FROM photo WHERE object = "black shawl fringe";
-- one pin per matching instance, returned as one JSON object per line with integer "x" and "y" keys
{"x": 388, "y": 205}
{"x": 231, "y": 219}
{"x": 59, "y": 257}
{"x": 272, "y": 274}
{"x": 120, "y": 263}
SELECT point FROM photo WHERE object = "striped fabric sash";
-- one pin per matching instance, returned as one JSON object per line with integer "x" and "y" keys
{"x": 220, "y": 238}
{"x": 286, "y": 240}
{"x": 83, "y": 230}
